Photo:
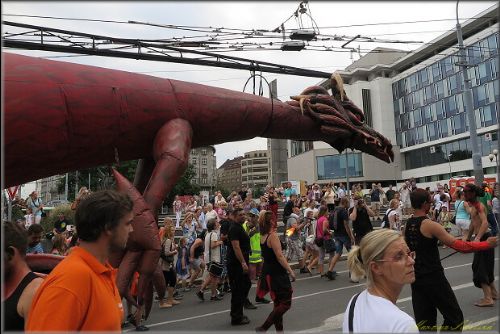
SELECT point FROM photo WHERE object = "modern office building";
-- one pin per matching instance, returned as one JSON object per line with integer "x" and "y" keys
{"x": 255, "y": 169}
{"x": 204, "y": 163}
{"x": 416, "y": 100}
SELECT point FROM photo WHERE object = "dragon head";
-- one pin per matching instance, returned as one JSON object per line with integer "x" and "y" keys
{"x": 341, "y": 120}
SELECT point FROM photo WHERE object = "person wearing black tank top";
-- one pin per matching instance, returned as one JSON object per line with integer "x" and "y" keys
{"x": 20, "y": 283}
{"x": 276, "y": 274}
{"x": 431, "y": 291}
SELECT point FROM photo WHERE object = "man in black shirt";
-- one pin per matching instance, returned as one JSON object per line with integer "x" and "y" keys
{"x": 360, "y": 216}
{"x": 237, "y": 264}
{"x": 19, "y": 282}
{"x": 288, "y": 209}
{"x": 60, "y": 224}
{"x": 342, "y": 234}
{"x": 389, "y": 194}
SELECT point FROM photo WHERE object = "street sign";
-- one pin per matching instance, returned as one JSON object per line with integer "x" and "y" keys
{"x": 487, "y": 136}
{"x": 12, "y": 192}
{"x": 433, "y": 149}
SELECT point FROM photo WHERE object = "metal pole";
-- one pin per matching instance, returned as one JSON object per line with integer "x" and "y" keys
{"x": 76, "y": 184}
{"x": 89, "y": 181}
{"x": 9, "y": 210}
{"x": 449, "y": 163}
{"x": 476, "y": 153}
{"x": 347, "y": 172}
{"x": 66, "y": 188}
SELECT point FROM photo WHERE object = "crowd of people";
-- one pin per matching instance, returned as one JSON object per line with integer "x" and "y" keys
{"x": 229, "y": 242}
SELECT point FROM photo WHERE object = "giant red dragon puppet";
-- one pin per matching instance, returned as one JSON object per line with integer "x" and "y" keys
{"x": 60, "y": 117}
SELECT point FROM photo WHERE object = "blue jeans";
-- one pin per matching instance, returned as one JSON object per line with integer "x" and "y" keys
{"x": 341, "y": 242}
{"x": 492, "y": 222}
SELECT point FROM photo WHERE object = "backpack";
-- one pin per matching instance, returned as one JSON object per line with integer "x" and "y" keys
{"x": 385, "y": 220}
{"x": 332, "y": 220}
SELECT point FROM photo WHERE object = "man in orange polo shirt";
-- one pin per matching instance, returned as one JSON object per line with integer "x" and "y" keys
{"x": 80, "y": 293}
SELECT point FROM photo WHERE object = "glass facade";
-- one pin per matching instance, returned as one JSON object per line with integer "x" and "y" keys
{"x": 429, "y": 104}
{"x": 334, "y": 166}
{"x": 451, "y": 151}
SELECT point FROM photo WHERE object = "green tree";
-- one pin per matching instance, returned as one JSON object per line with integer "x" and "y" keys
{"x": 100, "y": 178}
{"x": 185, "y": 185}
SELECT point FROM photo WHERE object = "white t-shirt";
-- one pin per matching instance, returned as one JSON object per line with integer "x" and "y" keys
{"x": 389, "y": 318}
{"x": 214, "y": 253}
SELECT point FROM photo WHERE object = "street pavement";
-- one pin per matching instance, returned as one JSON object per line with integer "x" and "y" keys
{"x": 318, "y": 304}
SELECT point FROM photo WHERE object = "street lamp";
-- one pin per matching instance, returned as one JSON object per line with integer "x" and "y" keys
{"x": 494, "y": 155}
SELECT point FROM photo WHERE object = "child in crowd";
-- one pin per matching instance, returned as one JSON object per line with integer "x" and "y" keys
{"x": 182, "y": 264}
{"x": 444, "y": 219}
{"x": 59, "y": 246}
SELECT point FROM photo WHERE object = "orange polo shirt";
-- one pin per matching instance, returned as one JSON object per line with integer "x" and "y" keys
{"x": 80, "y": 294}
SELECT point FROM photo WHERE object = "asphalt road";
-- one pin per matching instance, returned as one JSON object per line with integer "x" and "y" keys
{"x": 318, "y": 304}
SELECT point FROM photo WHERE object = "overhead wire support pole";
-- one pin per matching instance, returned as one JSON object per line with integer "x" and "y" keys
{"x": 476, "y": 152}
{"x": 219, "y": 60}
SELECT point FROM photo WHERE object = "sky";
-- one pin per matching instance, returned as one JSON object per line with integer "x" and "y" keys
{"x": 379, "y": 20}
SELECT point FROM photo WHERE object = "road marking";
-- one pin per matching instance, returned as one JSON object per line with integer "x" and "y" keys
{"x": 335, "y": 322}
{"x": 474, "y": 325}
{"x": 462, "y": 286}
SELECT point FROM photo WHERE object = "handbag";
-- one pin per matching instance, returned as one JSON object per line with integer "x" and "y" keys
{"x": 329, "y": 245}
{"x": 167, "y": 258}
{"x": 214, "y": 268}
{"x": 454, "y": 219}
{"x": 318, "y": 242}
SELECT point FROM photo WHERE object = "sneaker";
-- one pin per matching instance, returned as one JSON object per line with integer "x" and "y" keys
{"x": 249, "y": 306}
{"x": 330, "y": 275}
{"x": 243, "y": 321}
{"x": 141, "y": 328}
{"x": 216, "y": 298}
{"x": 200, "y": 295}
{"x": 186, "y": 289}
{"x": 262, "y": 300}
{"x": 304, "y": 270}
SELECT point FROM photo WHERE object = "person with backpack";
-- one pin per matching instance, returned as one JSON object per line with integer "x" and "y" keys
{"x": 391, "y": 218}
{"x": 339, "y": 223}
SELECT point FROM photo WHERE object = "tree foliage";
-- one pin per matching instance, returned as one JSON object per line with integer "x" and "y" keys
{"x": 101, "y": 178}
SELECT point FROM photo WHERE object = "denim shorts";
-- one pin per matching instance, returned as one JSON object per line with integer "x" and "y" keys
{"x": 341, "y": 242}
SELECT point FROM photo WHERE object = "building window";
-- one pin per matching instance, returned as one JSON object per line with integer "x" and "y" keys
{"x": 439, "y": 89}
{"x": 334, "y": 166}
{"x": 427, "y": 114}
{"x": 204, "y": 180}
{"x": 436, "y": 72}
{"x": 459, "y": 125}
{"x": 204, "y": 171}
{"x": 204, "y": 152}
{"x": 446, "y": 66}
{"x": 450, "y": 106}
{"x": 417, "y": 117}
{"x": 480, "y": 96}
{"x": 193, "y": 160}
{"x": 484, "y": 72}
{"x": 432, "y": 131}
{"x": 424, "y": 77}
{"x": 367, "y": 106}
{"x": 204, "y": 161}
{"x": 298, "y": 147}
{"x": 489, "y": 115}
{"x": 474, "y": 53}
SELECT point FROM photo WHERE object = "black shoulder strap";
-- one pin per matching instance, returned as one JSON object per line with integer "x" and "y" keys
{"x": 351, "y": 312}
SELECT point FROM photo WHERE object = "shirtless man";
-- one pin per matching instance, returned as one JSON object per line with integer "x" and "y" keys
{"x": 484, "y": 261}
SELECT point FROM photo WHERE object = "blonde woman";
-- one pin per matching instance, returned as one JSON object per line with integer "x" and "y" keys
{"x": 82, "y": 193}
{"x": 169, "y": 250}
{"x": 384, "y": 257}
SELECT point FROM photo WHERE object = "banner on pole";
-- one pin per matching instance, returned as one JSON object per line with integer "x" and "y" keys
{"x": 12, "y": 192}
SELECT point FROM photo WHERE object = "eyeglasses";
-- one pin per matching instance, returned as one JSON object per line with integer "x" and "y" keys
{"x": 400, "y": 257}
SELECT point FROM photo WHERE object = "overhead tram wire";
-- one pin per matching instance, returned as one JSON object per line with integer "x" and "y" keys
{"x": 220, "y": 60}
